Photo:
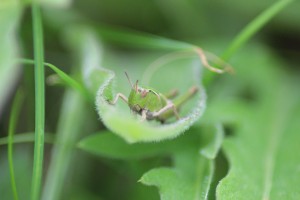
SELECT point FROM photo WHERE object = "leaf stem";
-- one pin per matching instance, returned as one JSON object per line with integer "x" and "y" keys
{"x": 39, "y": 101}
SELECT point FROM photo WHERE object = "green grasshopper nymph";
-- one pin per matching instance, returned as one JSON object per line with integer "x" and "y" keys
{"x": 154, "y": 105}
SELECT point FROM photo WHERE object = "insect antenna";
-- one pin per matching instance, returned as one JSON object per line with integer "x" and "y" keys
{"x": 129, "y": 80}
{"x": 136, "y": 85}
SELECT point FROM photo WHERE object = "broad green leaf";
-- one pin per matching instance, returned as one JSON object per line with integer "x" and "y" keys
{"x": 191, "y": 176}
{"x": 263, "y": 150}
{"x": 107, "y": 144}
{"x": 10, "y": 12}
{"x": 118, "y": 118}
{"x": 175, "y": 185}
{"x": 263, "y": 156}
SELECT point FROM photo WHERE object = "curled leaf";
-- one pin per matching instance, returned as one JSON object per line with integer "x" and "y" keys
{"x": 180, "y": 74}
{"x": 126, "y": 125}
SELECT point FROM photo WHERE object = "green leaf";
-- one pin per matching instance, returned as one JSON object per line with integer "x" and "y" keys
{"x": 67, "y": 80}
{"x": 254, "y": 26}
{"x": 191, "y": 176}
{"x": 263, "y": 150}
{"x": 123, "y": 123}
{"x": 133, "y": 38}
{"x": 118, "y": 118}
{"x": 216, "y": 136}
{"x": 113, "y": 146}
{"x": 27, "y": 137}
{"x": 39, "y": 83}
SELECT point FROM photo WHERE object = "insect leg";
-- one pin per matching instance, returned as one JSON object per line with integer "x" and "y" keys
{"x": 119, "y": 95}
{"x": 171, "y": 94}
{"x": 185, "y": 97}
{"x": 168, "y": 107}
{"x": 144, "y": 115}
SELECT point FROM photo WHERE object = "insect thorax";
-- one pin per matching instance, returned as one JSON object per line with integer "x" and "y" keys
{"x": 145, "y": 99}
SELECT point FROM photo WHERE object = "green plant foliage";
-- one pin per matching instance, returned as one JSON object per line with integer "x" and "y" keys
{"x": 39, "y": 83}
{"x": 191, "y": 176}
{"x": 118, "y": 119}
{"x": 142, "y": 40}
{"x": 237, "y": 138}
{"x": 27, "y": 137}
{"x": 65, "y": 78}
{"x": 265, "y": 131}
{"x": 114, "y": 147}
{"x": 130, "y": 128}
{"x": 262, "y": 148}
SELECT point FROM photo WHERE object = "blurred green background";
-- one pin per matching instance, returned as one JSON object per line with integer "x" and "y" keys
{"x": 269, "y": 61}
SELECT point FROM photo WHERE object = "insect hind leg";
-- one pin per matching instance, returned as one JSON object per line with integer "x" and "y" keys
{"x": 171, "y": 94}
{"x": 169, "y": 106}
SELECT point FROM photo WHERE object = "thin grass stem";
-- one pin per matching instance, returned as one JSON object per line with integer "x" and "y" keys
{"x": 39, "y": 101}
{"x": 27, "y": 137}
{"x": 245, "y": 34}
{"x": 253, "y": 27}
{"x": 16, "y": 106}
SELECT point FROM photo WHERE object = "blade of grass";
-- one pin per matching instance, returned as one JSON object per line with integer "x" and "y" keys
{"x": 16, "y": 106}
{"x": 245, "y": 34}
{"x": 68, "y": 80}
{"x": 74, "y": 120}
{"x": 39, "y": 101}
{"x": 144, "y": 40}
{"x": 134, "y": 38}
{"x": 27, "y": 137}
{"x": 253, "y": 27}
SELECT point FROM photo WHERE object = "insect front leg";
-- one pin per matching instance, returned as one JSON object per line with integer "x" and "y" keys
{"x": 119, "y": 95}
{"x": 144, "y": 115}
{"x": 169, "y": 106}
